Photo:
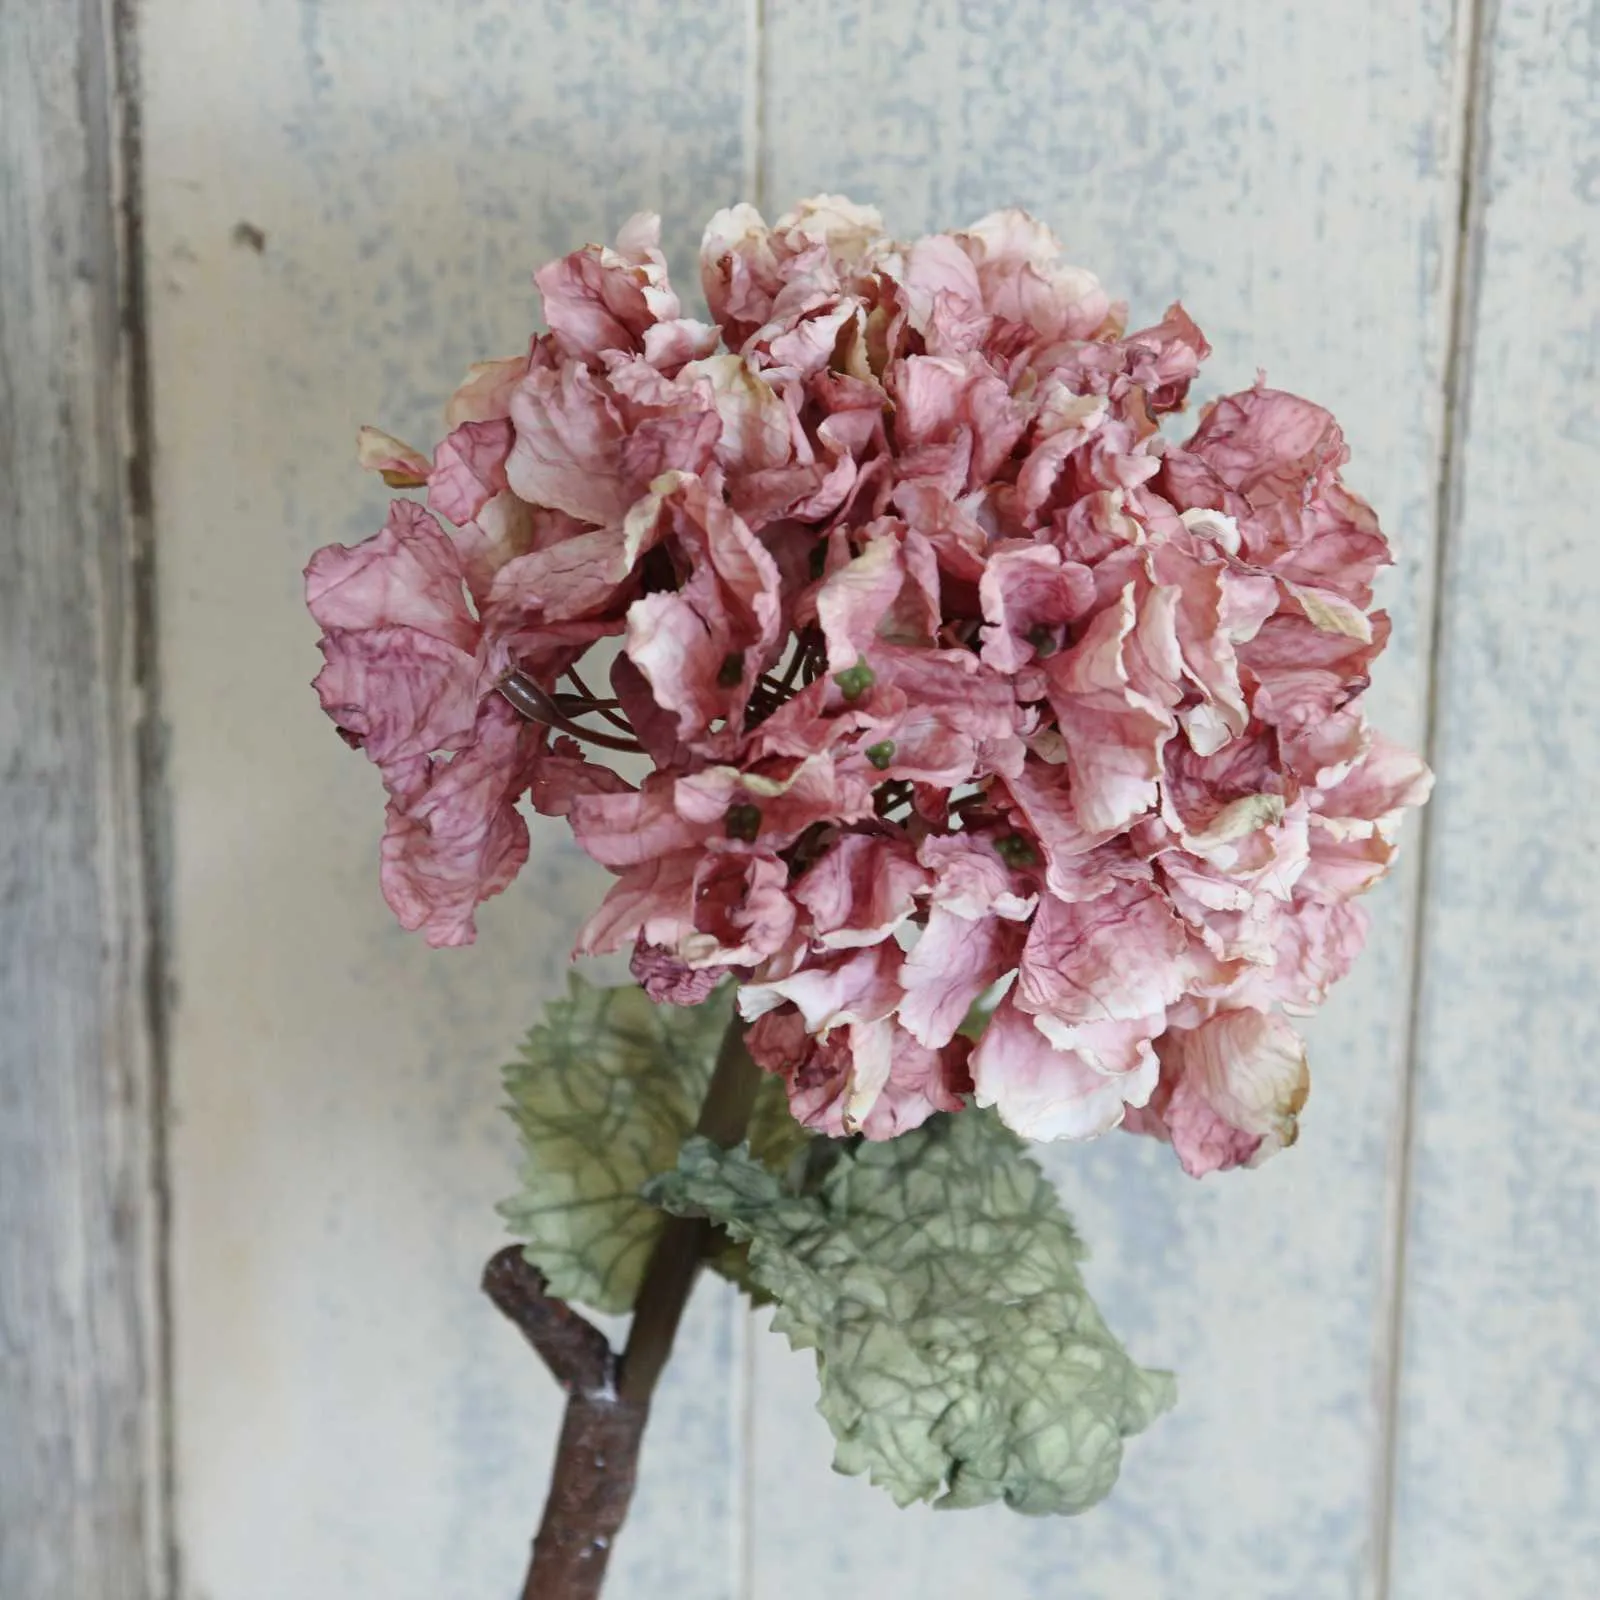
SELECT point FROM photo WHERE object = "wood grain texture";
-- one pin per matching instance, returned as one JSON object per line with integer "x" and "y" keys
{"x": 1498, "y": 1480}
{"x": 80, "y": 1481}
{"x": 345, "y": 203}
{"x": 1292, "y": 172}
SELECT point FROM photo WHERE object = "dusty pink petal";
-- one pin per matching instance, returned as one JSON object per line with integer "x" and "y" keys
{"x": 971, "y": 879}
{"x": 953, "y": 961}
{"x": 739, "y": 271}
{"x": 653, "y": 726}
{"x": 1024, "y": 279}
{"x": 672, "y": 644}
{"x": 625, "y": 830}
{"x": 1271, "y": 460}
{"x": 462, "y": 839}
{"x": 599, "y": 299}
{"x": 574, "y": 578}
{"x": 1304, "y": 674}
{"x": 569, "y": 446}
{"x": 702, "y": 647}
{"x": 1164, "y": 360}
{"x": 1042, "y": 794}
{"x": 958, "y": 540}
{"x": 1317, "y": 945}
{"x": 397, "y": 693}
{"x": 1343, "y": 864}
{"x": 669, "y": 981}
{"x": 503, "y": 529}
{"x": 1109, "y": 959}
{"x": 1237, "y": 1084}
{"x": 564, "y": 773}
{"x": 856, "y": 598}
{"x": 942, "y": 296}
{"x": 653, "y": 901}
{"x": 1045, "y": 1093}
{"x": 1116, "y": 1049}
{"x": 1028, "y": 593}
{"x": 669, "y": 346}
{"x": 1114, "y": 734}
{"x": 1216, "y": 610}
{"x": 815, "y": 789}
{"x": 860, "y": 890}
{"x": 940, "y": 400}
{"x": 755, "y": 434}
{"x": 406, "y": 576}
{"x": 469, "y": 469}
{"x": 1320, "y": 752}
{"x": 392, "y": 459}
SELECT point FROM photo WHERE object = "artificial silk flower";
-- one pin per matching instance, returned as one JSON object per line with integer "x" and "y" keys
{"x": 952, "y": 673}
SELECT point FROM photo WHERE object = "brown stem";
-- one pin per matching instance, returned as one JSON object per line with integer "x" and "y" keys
{"x": 608, "y": 1403}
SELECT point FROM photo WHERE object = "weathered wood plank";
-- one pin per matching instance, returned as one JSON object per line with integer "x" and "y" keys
{"x": 1498, "y": 1486}
{"x": 345, "y": 204}
{"x": 1292, "y": 172}
{"x": 80, "y": 1475}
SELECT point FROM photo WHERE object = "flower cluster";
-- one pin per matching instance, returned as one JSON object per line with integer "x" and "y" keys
{"x": 954, "y": 675}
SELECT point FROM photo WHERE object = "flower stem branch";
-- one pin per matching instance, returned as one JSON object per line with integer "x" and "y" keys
{"x": 609, "y": 1396}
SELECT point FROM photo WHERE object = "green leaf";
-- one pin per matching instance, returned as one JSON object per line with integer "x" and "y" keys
{"x": 936, "y": 1276}
{"x": 604, "y": 1093}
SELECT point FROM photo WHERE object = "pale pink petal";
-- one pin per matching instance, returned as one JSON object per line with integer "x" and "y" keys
{"x": 1024, "y": 279}
{"x": 953, "y": 961}
{"x": 392, "y": 459}
{"x": 1237, "y": 1084}
{"x": 1113, "y": 958}
{"x": 1045, "y": 1093}
{"x": 857, "y": 986}
{"x": 1114, "y": 735}
{"x": 484, "y": 395}
{"x": 652, "y": 901}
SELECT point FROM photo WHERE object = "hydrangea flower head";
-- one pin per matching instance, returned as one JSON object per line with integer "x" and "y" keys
{"x": 954, "y": 675}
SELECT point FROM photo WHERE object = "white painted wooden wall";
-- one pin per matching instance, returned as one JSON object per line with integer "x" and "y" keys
{"x": 1388, "y": 1340}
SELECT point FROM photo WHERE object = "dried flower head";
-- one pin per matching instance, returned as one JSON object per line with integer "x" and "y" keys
{"x": 953, "y": 674}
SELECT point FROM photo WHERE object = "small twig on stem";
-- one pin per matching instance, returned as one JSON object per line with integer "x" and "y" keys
{"x": 608, "y": 1401}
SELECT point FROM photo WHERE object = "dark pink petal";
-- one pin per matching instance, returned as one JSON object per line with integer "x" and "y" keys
{"x": 668, "y": 980}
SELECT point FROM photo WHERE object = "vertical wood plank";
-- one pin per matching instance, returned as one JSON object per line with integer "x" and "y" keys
{"x": 1498, "y": 1487}
{"x": 346, "y": 202}
{"x": 1292, "y": 172}
{"x": 80, "y": 1478}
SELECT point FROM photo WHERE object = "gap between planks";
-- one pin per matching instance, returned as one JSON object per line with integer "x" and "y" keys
{"x": 1474, "y": 54}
